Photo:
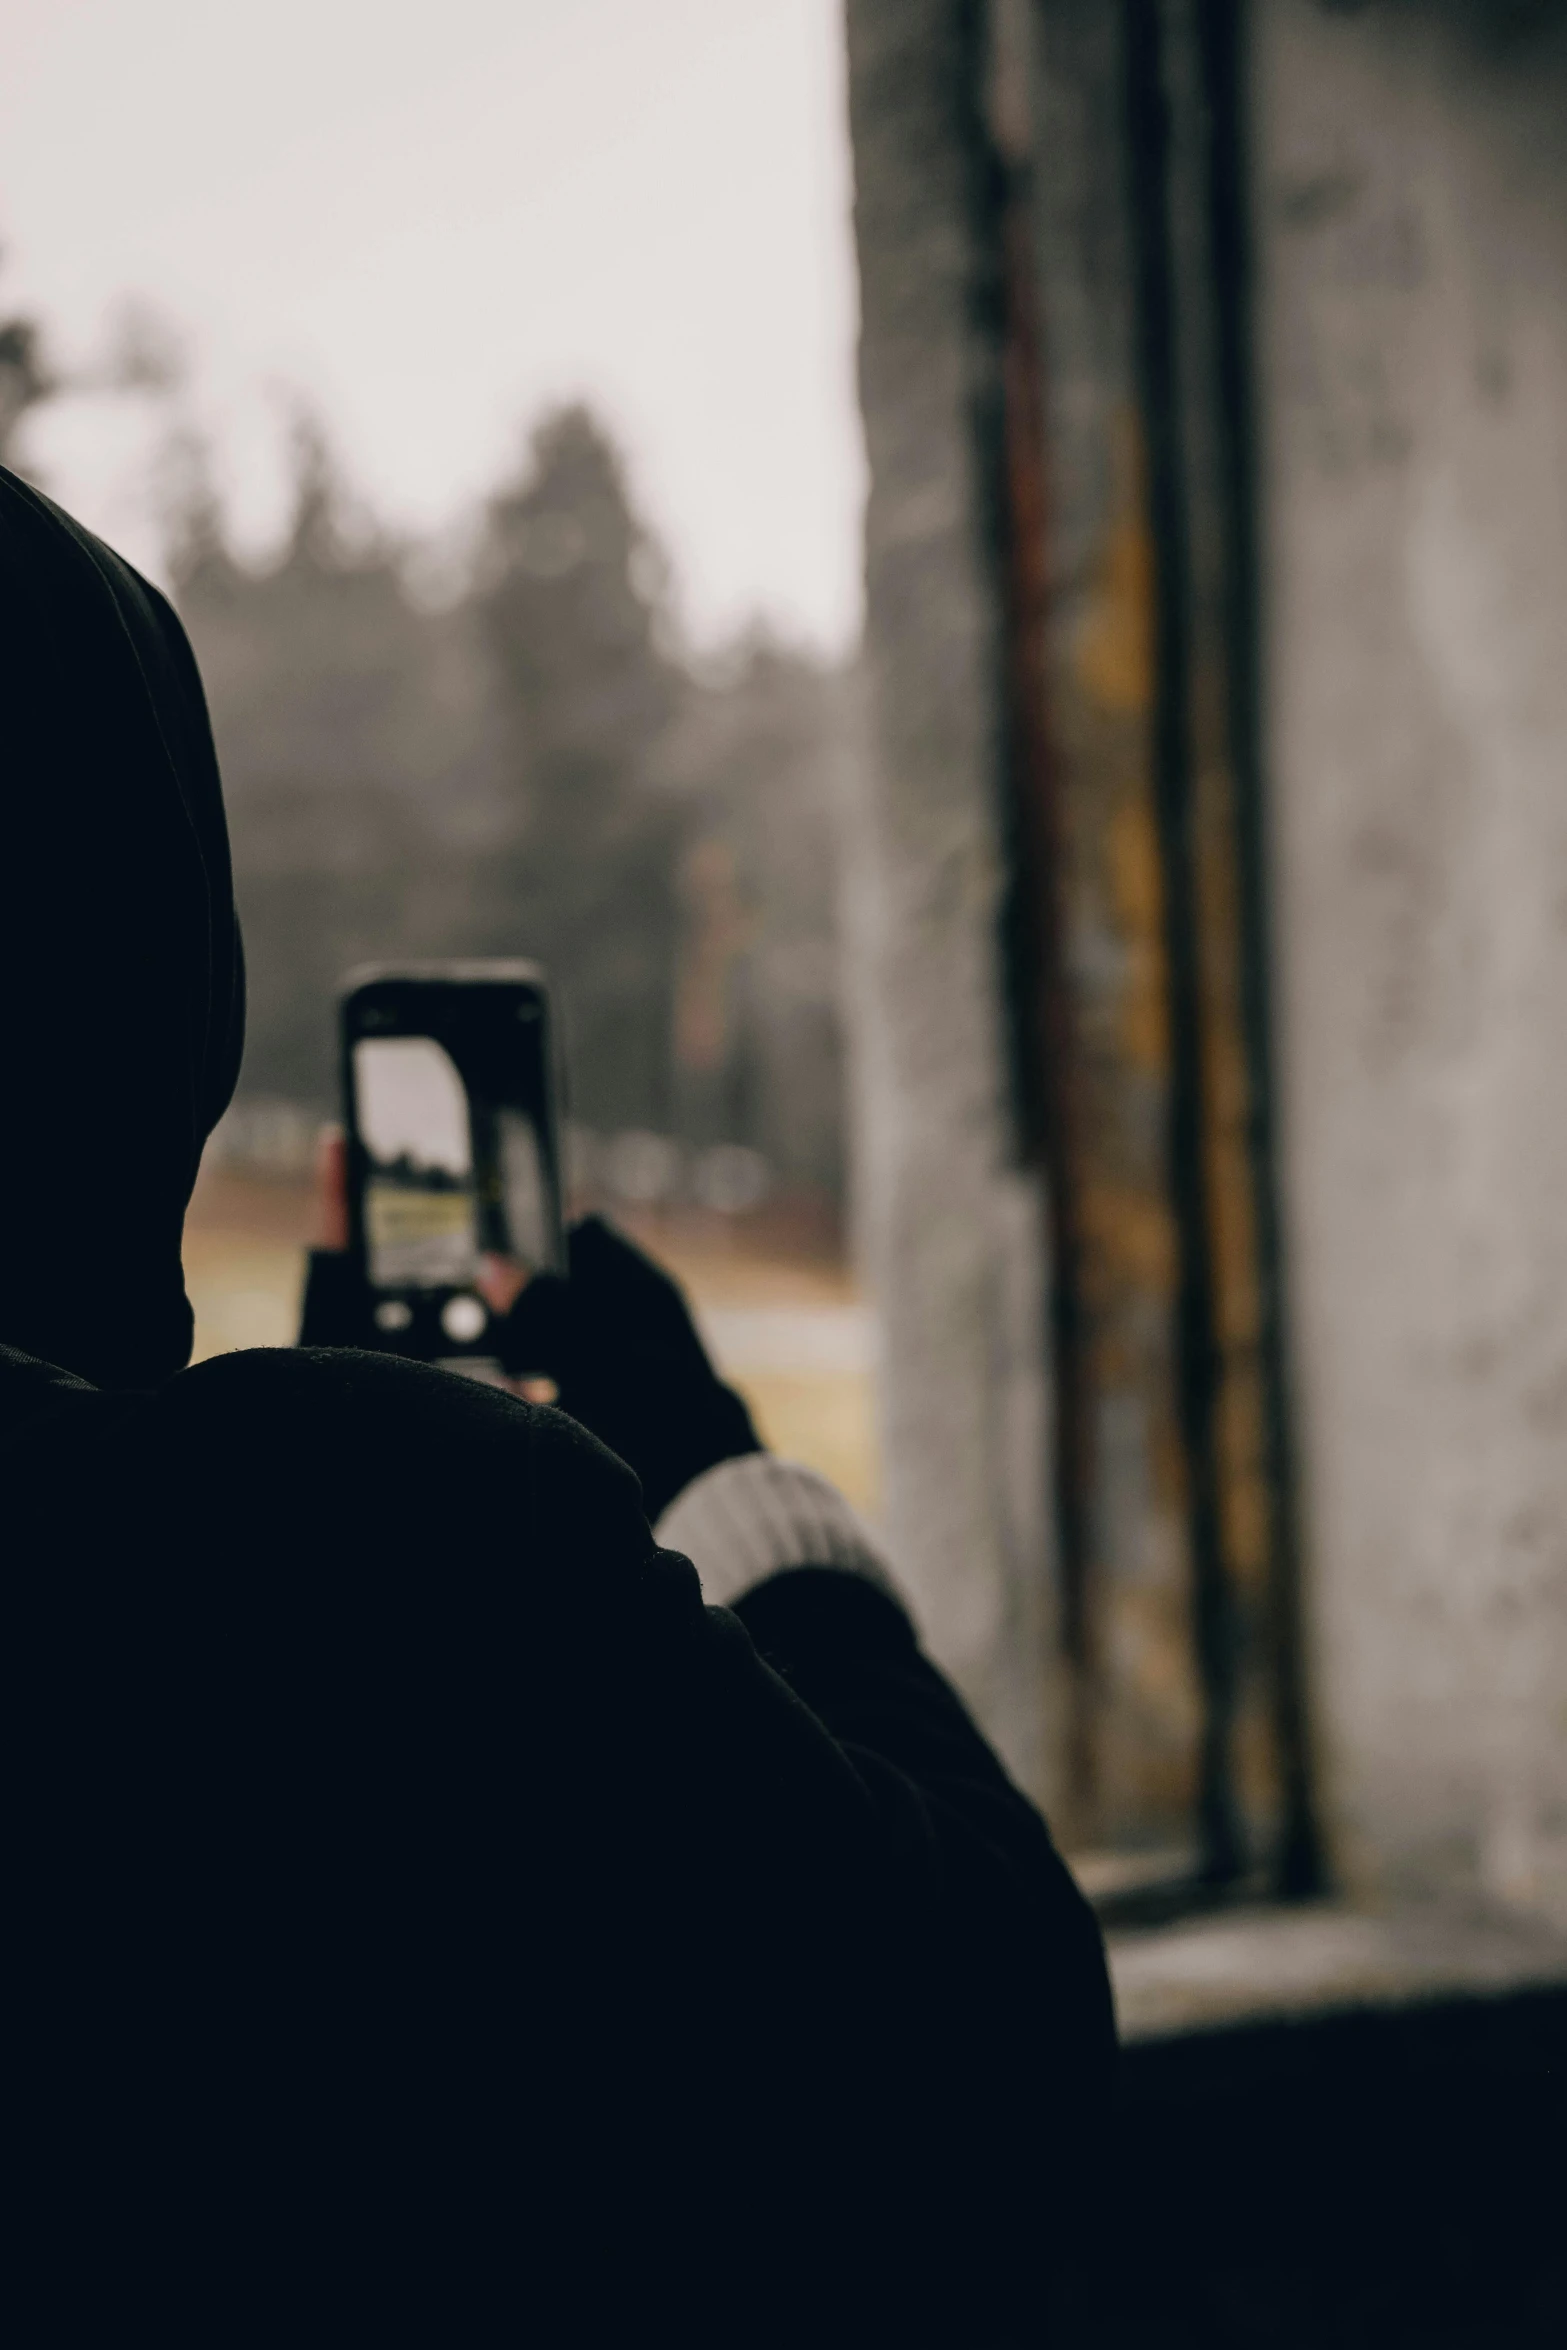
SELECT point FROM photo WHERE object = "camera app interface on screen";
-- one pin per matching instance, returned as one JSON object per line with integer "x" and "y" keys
{"x": 452, "y": 1173}
{"x": 421, "y": 1222}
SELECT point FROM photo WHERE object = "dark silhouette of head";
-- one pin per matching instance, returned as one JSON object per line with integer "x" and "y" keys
{"x": 121, "y": 976}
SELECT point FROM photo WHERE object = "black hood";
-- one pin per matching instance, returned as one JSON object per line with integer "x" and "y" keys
{"x": 121, "y": 976}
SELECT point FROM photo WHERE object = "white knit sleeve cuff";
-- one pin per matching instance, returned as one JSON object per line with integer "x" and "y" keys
{"x": 752, "y": 1517}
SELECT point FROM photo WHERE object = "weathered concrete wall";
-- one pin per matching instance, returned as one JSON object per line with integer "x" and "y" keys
{"x": 952, "y": 1228}
{"x": 1412, "y": 224}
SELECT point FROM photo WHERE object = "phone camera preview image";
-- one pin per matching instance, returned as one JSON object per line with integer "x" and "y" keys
{"x": 453, "y": 1151}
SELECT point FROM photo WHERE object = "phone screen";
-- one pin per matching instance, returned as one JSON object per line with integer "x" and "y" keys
{"x": 421, "y": 1224}
{"x": 453, "y": 1149}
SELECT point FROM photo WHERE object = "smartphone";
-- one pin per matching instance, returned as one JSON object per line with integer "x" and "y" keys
{"x": 450, "y": 1101}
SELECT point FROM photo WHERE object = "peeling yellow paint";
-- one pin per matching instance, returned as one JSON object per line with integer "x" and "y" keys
{"x": 1134, "y": 1232}
{"x": 1115, "y": 643}
{"x": 1132, "y": 850}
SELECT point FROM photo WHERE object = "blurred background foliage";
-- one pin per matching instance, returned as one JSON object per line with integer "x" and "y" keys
{"x": 529, "y": 766}
{"x": 512, "y": 751}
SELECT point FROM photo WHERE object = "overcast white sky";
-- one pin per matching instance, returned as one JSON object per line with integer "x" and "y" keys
{"x": 434, "y": 216}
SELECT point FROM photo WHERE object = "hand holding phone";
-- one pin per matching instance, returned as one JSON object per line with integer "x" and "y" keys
{"x": 450, "y": 1163}
{"x": 620, "y": 1341}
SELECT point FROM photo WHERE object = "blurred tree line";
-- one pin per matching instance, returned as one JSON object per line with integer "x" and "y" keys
{"x": 530, "y": 767}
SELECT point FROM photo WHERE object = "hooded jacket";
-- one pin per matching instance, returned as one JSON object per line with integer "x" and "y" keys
{"x": 426, "y": 1920}
{"x": 121, "y": 977}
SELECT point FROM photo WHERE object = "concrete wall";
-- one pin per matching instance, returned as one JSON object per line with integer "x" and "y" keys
{"x": 952, "y": 1228}
{"x": 1411, "y": 206}
{"x": 1410, "y": 217}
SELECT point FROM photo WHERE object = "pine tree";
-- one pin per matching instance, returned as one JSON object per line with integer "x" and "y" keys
{"x": 569, "y": 603}
{"x": 350, "y": 727}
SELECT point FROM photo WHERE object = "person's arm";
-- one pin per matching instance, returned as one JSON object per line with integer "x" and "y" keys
{"x": 992, "y": 1975}
{"x": 778, "y": 1544}
{"x": 1008, "y": 2033}
{"x": 1010, "y": 2036}
{"x": 772, "y": 1540}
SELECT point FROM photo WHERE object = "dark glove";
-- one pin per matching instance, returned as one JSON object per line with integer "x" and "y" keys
{"x": 619, "y": 1342}
{"x": 336, "y": 1307}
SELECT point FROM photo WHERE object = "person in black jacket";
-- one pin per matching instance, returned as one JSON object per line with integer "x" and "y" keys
{"x": 439, "y": 1910}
